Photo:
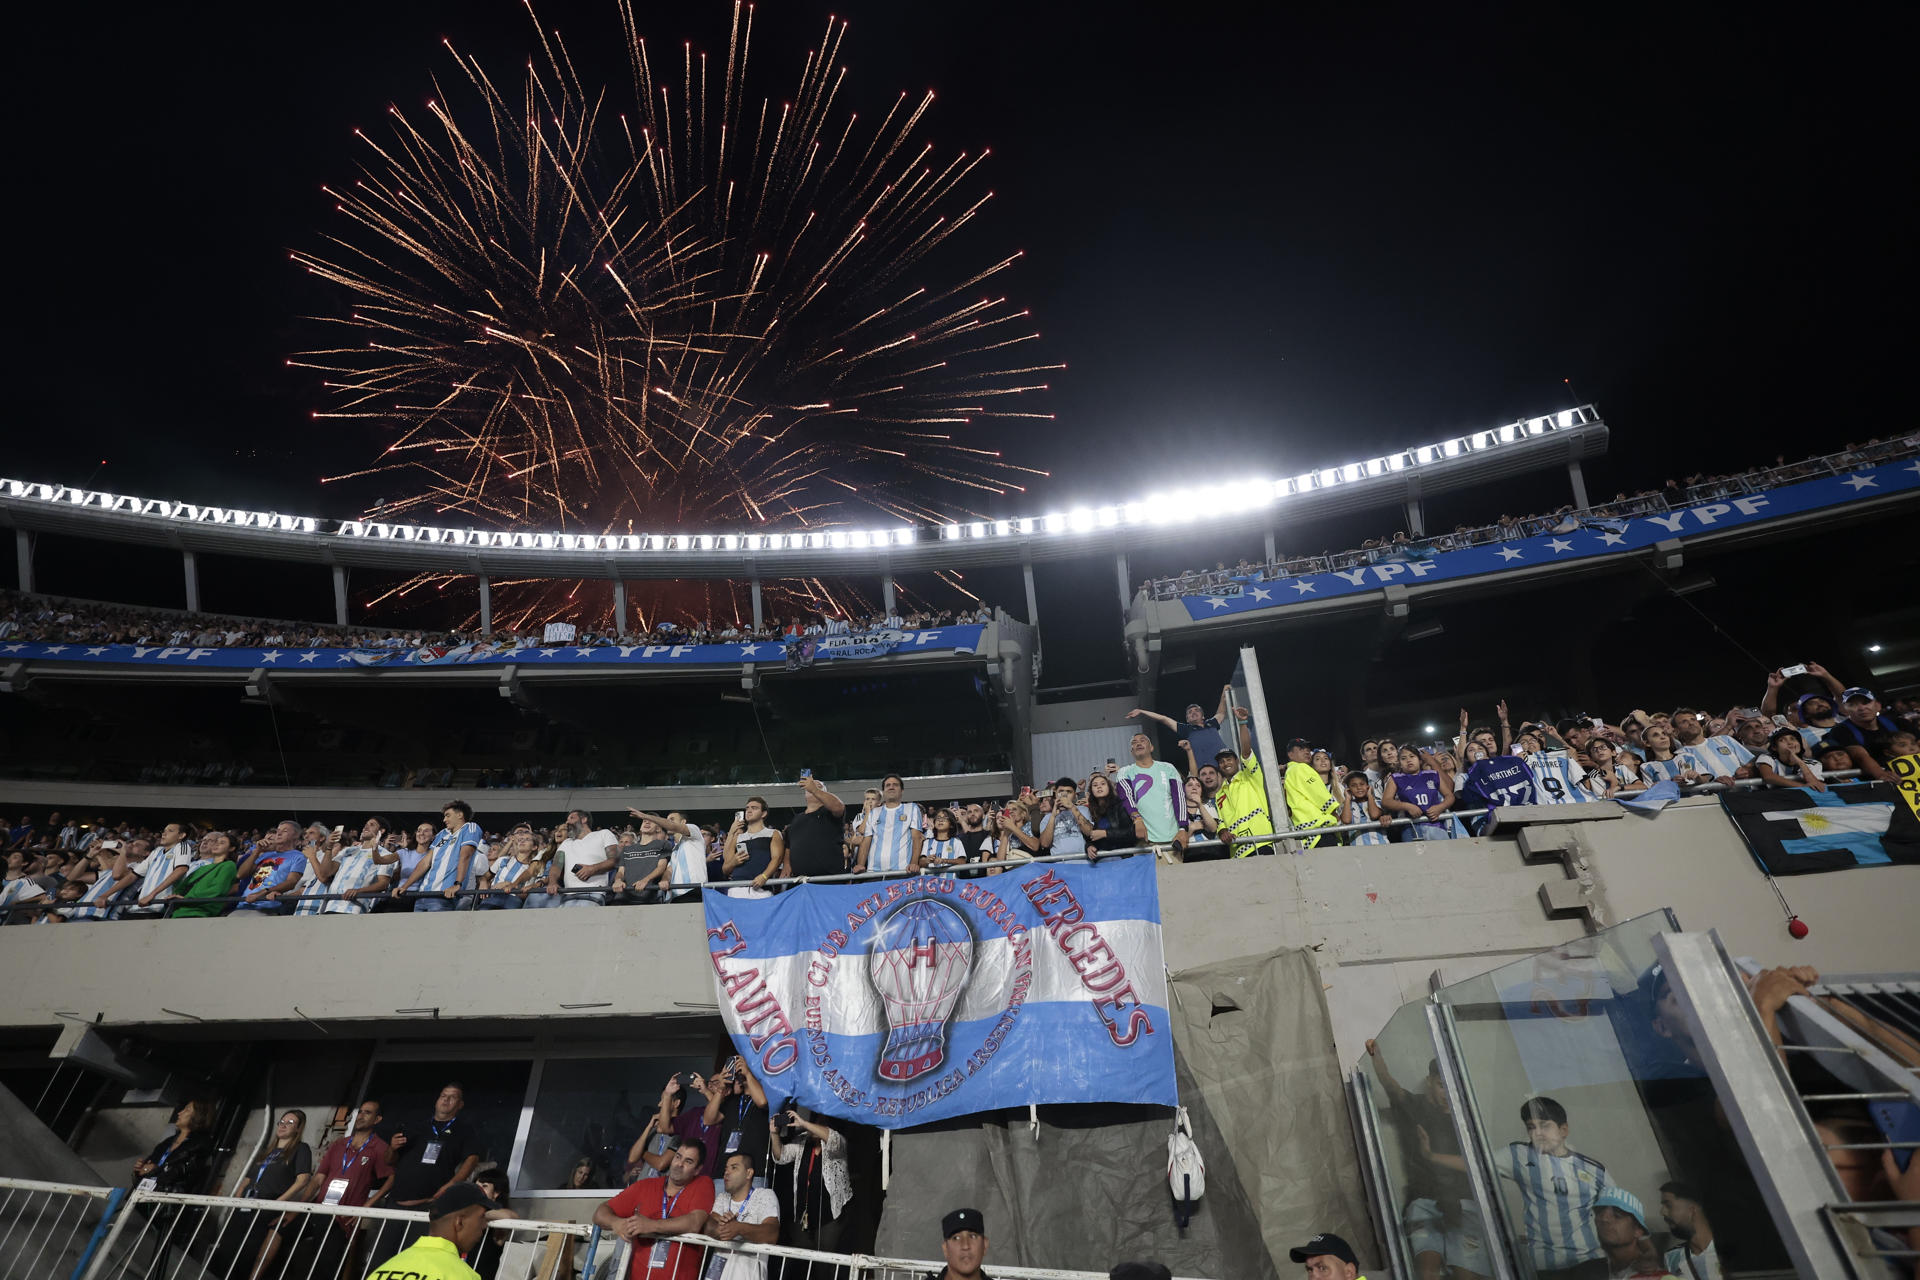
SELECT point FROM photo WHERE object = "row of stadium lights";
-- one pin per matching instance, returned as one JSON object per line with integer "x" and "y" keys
{"x": 1155, "y": 509}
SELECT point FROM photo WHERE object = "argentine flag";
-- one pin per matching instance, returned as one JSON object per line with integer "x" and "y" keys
{"x": 906, "y": 1001}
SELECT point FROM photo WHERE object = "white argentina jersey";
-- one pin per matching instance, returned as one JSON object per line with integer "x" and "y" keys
{"x": 1558, "y": 778}
{"x": 357, "y": 871}
{"x": 892, "y": 831}
{"x": 446, "y": 858}
{"x": 1558, "y": 1192}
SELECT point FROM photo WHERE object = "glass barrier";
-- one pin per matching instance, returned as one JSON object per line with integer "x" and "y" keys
{"x": 1608, "y": 1153}
{"x": 1436, "y": 1227}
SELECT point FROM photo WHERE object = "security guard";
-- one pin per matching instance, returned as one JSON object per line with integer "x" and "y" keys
{"x": 1327, "y": 1257}
{"x": 456, "y": 1220}
{"x": 964, "y": 1245}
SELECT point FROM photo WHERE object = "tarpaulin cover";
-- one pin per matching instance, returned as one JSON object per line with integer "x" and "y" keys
{"x": 1255, "y": 1057}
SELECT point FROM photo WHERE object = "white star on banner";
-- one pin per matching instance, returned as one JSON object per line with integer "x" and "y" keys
{"x": 270, "y": 655}
{"x": 585, "y": 653}
{"x": 748, "y": 650}
{"x": 56, "y": 648}
{"x": 13, "y": 648}
{"x": 549, "y": 653}
{"x": 1857, "y": 483}
{"x": 1261, "y": 593}
{"x": 96, "y": 651}
{"x": 1218, "y": 602}
{"x": 1613, "y": 539}
{"x": 345, "y": 657}
{"x": 1303, "y": 586}
{"x": 1510, "y": 554}
{"x": 1560, "y": 544}
{"x": 309, "y": 656}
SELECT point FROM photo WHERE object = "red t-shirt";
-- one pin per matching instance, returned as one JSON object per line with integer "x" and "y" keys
{"x": 360, "y": 1166}
{"x": 649, "y": 1199}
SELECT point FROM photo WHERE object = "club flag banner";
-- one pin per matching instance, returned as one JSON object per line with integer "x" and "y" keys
{"x": 921, "y": 999}
{"x": 1793, "y": 831}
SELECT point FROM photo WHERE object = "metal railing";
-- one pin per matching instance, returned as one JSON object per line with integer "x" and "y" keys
{"x": 51, "y": 1228}
{"x": 72, "y": 1232}
{"x": 1201, "y": 582}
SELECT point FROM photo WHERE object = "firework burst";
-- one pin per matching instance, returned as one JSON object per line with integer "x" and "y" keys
{"x": 697, "y": 309}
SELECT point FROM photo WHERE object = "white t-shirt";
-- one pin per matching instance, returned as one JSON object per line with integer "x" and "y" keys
{"x": 688, "y": 863}
{"x": 586, "y": 851}
{"x": 760, "y": 1205}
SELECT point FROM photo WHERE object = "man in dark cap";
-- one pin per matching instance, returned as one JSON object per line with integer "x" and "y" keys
{"x": 1328, "y": 1257}
{"x": 964, "y": 1245}
{"x": 456, "y": 1219}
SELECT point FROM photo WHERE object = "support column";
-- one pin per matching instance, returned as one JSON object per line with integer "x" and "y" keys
{"x": 340, "y": 595}
{"x": 192, "y": 571}
{"x": 757, "y": 624}
{"x": 1579, "y": 485}
{"x": 1416, "y": 518}
{"x": 619, "y": 607}
{"x": 486, "y": 607}
{"x": 1272, "y": 553}
{"x": 1033, "y": 601}
{"x": 1120, "y": 570}
{"x": 886, "y": 594}
{"x": 23, "y": 550}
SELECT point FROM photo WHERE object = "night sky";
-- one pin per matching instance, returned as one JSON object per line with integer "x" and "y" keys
{"x": 1261, "y": 240}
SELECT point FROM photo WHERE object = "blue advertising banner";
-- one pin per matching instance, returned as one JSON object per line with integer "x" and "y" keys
{"x": 921, "y": 999}
{"x": 963, "y": 639}
{"x": 1593, "y": 538}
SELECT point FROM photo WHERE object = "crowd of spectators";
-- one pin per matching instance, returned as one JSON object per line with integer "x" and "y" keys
{"x": 1695, "y": 489}
{"x": 53, "y": 620}
{"x": 735, "y": 1165}
{"x": 1806, "y": 727}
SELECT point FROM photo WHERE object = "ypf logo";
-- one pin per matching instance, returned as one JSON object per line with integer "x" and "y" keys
{"x": 920, "y": 964}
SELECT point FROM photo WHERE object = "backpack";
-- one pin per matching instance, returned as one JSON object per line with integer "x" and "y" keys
{"x": 1186, "y": 1171}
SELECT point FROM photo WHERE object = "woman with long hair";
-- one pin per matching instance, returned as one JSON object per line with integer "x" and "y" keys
{"x": 281, "y": 1170}
{"x": 1104, "y": 807}
{"x": 1203, "y": 820}
{"x": 181, "y": 1162}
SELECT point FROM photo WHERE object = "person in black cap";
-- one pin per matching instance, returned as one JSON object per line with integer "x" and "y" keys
{"x": 456, "y": 1220}
{"x": 1328, "y": 1257}
{"x": 964, "y": 1245}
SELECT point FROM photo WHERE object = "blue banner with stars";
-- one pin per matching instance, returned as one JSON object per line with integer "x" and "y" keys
{"x": 1593, "y": 538}
{"x": 875, "y": 644}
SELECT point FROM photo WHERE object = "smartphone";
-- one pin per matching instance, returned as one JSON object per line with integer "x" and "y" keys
{"x": 340, "y": 830}
{"x": 740, "y": 815}
{"x": 805, "y": 774}
{"x": 1110, "y": 762}
{"x": 1798, "y": 669}
{"x": 1598, "y": 723}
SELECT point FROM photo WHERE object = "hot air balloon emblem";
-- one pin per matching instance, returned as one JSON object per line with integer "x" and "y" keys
{"x": 921, "y": 961}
